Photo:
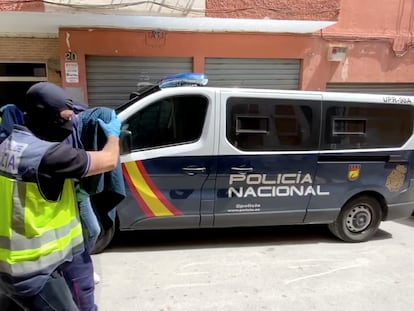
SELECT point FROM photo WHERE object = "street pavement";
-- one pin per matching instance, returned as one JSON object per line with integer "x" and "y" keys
{"x": 292, "y": 268}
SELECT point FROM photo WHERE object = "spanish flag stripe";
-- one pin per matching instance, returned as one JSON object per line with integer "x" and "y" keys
{"x": 136, "y": 194}
{"x": 156, "y": 191}
{"x": 145, "y": 191}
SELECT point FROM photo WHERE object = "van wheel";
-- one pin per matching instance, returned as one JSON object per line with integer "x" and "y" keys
{"x": 104, "y": 239}
{"x": 358, "y": 220}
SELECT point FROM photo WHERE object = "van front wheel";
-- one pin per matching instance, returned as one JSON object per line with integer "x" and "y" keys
{"x": 104, "y": 239}
{"x": 358, "y": 220}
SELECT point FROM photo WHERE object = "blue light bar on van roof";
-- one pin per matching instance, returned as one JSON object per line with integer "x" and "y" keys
{"x": 183, "y": 79}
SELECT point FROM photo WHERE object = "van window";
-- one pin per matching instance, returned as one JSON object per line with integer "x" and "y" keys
{"x": 269, "y": 124}
{"x": 366, "y": 125}
{"x": 170, "y": 121}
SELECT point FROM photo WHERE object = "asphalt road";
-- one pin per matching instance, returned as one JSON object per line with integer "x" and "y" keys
{"x": 279, "y": 268}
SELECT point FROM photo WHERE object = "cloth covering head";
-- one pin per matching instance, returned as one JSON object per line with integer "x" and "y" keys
{"x": 43, "y": 104}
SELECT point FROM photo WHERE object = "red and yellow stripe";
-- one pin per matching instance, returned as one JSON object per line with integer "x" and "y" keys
{"x": 148, "y": 196}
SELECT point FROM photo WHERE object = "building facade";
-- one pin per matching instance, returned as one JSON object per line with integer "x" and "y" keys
{"x": 308, "y": 45}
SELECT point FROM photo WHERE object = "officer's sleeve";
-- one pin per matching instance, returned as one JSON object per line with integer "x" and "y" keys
{"x": 63, "y": 161}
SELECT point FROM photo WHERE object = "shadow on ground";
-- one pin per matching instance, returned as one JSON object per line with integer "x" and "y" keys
{"x": 150, "y": 240}
{"x": 406, "y": 221}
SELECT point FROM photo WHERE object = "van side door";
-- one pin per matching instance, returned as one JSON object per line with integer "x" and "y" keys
{"x": 361, "y": 153}
{"x": 172, "y": 134}
{"x": 268, "y": 153}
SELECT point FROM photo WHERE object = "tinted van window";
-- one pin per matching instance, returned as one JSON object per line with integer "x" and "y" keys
{"x": 269, "y": 124}
{"x": 366, "y": 125}
{"x": 170, "y": 121}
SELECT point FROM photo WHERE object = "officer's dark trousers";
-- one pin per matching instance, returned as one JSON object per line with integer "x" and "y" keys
{"x": 55, "y": 295}
{"x": 79, "y": 276}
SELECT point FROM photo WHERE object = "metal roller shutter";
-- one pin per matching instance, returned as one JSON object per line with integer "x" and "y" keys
{"x": 111, "y": 79}
{"x": 373, "y": 88}
{"x": 253, "y": 72}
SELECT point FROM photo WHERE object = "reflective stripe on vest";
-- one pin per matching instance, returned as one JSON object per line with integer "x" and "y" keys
{"x": 35, "y": 233}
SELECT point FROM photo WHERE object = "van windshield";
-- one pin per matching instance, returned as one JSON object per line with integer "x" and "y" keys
{"x": 139, "y": 94}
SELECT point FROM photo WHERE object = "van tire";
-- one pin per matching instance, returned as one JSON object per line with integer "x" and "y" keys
{"x": 104, "y": 239}
{"x": 358, "y": 220}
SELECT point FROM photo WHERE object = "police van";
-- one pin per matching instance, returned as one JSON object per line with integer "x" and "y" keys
{"x": 203, "y": 157}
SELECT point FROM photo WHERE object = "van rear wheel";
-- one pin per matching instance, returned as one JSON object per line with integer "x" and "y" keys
{"x": 358, "y": 220}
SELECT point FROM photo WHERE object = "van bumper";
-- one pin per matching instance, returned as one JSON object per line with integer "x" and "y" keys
{"x": 400, "y": 210}
{"x": 404, "y": 207}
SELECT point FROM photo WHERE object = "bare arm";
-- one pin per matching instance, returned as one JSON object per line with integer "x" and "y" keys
{"x": 106, "y": 159}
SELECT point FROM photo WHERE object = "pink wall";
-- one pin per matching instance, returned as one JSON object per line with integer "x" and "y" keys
{"x": 19, "y": 5}
{"x": 379, "y": 38}
{"x": 318, "y": 10}
{"x": 376, "y": 33}
{"x": 374, "y": 18}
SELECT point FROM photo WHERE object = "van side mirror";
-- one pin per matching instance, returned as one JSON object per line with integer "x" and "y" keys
{"x": 125, "y": 141}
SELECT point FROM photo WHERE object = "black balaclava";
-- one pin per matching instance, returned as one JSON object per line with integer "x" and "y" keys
{"x": 43, "y": 104}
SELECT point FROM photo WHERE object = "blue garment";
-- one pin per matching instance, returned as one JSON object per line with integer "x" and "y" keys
{"x": 10, "y": 115}
{"x": 87, "y": 215}
{"x": 106, "y": 190}
{"x": 90, "y": 223}
{"x": 89, "y": 220}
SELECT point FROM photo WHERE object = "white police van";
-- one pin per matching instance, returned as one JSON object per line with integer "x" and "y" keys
{"x": 199, "y": 157}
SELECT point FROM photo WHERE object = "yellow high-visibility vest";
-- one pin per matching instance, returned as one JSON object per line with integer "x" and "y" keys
{"x": 36, "y": 234}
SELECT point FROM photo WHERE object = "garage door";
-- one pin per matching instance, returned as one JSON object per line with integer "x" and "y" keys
{"x": 253, "y": 72}
{"x": 111, "y": 79}
{"x": 373, "y": 88}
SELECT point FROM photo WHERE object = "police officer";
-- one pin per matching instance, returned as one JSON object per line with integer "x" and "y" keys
{"x": 39, "y": 224}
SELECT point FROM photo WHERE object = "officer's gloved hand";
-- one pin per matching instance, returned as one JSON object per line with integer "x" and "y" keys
{"x": 113, "y": 127}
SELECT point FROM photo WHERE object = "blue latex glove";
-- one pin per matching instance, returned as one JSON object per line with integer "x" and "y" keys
{"x": 113, "y": 127}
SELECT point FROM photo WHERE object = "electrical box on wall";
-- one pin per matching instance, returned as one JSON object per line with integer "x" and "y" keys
{"x": 337, "y": 53}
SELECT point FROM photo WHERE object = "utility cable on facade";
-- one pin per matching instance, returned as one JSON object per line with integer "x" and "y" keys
{"x": 112, "y": 6}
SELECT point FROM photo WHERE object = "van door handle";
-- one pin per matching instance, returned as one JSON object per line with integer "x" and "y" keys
{"x": 193, "y": 170}
{"x": 242, "y": 170}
